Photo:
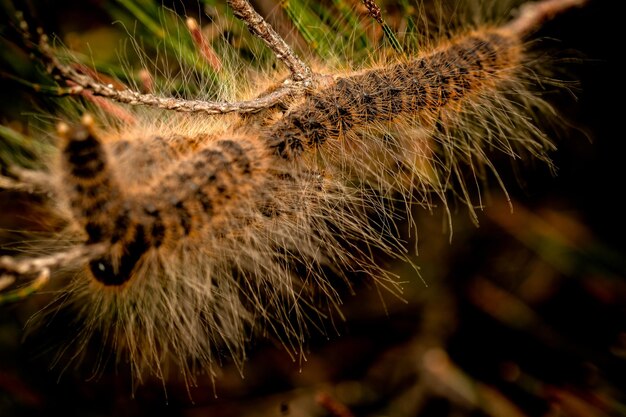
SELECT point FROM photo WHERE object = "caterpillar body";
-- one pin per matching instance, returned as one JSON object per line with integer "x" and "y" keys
{"x": 200, "y": 237}
{"x": 426, "y": 85}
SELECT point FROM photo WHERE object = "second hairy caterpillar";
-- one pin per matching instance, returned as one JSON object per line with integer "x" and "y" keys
{"x": 437, "y": 91}
{"x": 199, "y": 236}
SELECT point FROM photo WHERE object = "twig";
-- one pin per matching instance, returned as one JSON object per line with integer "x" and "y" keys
{"x": 109, "y": 107}
{"x": 532, "y": 15}
{"x": 260, "y": 28}
{"x": 16, "y": 267}
{"x": 21, "y": 293}
{"x": 79, "y": 83}
{"x": 12, "y": 269}
{"x": 10, "y": 184}
{"x": 84, "y": 82}
{"x": 26, "y": 180}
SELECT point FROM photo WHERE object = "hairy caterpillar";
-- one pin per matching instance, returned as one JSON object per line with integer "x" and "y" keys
{"x": 200, "y": 235}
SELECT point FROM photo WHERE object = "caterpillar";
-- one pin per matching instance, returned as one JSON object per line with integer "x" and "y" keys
{"x": 201, "y": 229}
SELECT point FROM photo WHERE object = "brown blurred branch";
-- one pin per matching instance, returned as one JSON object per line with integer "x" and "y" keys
{"x": 532, "y": 15}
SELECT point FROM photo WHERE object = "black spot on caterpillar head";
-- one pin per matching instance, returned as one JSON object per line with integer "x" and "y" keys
{"x": 104, "y": 269}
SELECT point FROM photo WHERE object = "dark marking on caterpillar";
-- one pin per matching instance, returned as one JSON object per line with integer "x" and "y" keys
{"x": 94, "y": 195}
{"x": 184, "y": 216}
{"x": 157, "y": 229}
{"x": 121, "y": 224}
{"x": 240, "y": 158}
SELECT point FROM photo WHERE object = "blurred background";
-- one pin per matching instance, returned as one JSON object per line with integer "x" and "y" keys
{"x": 524, "y": 315}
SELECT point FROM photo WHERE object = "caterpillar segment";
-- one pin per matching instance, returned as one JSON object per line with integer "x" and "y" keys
{"x": 462, "y": 67}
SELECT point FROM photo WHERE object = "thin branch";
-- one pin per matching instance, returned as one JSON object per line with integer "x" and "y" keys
{"x": 110, "y": 107}
{"x": 10, "y": 266}
{"x": 12, "y": 269}
{"x": 79, "y": 83}
{"x": 9, "y": 184}
{"x": 260, "y": 28}
{"x": 15, "y": 295}
{"x": 27, "y": 180}
{"x": 532, "y": 15}
{"x": 84, "y": 82}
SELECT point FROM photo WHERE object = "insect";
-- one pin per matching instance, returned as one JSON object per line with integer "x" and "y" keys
{"x": 224, "y": 219}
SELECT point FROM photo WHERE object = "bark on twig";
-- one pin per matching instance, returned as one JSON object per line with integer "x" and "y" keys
{"x": 9, "y": 265}
{"x": 26, "y": 180}
{"x": 19, "y": 267}
{"x": 80, "y": 83}
{"x": 260, "y": 28}
{"x": 12, "y": 269}
{"x": 84, "y": 82}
